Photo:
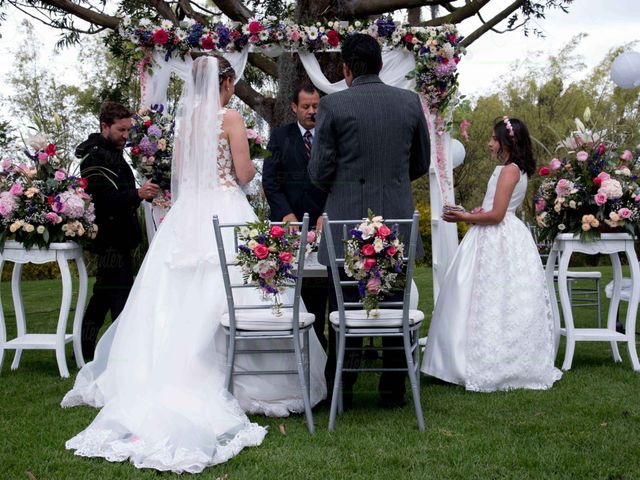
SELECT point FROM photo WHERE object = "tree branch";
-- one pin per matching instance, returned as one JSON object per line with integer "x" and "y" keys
{"x": 460, "y": 14}
{"x": 188, "y": 9}
{"x": 234, "y": 9}
{"x": 255, "y": 100}
{"x": 365, "y": 8}
{"x": 265, "y": 64}
{"x": 163, "y": 9}
{"x": 85, "y": 14}
{"x": 469, "y": 39}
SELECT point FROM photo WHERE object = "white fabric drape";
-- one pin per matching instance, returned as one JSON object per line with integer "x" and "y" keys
{"x": 396, "y": 65}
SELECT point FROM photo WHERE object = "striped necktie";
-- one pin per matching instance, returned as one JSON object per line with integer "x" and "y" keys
{"x": 308, "y": 139}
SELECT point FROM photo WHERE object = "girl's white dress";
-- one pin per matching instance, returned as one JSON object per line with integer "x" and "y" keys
{"x": 158, "y": 372}
{"x": 492, "y": 327}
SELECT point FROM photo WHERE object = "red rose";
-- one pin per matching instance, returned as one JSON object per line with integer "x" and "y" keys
{"x": 148, "y": 123}
{"x": 544, "y": 171}
{"x": 368, "y": 250}
{"x": 333, "y": 38}
{"x": 597, "y": 181}
{"x": 207, "y": 43}
{"x": 391, "y": 251}
{"x": 369, "y": 263}
{"x": 261, "y": 251}
{"x": 160, "y": 37}
{"x": 456, "y": 59}
{"x": 285, "y": 257}
{"x": 445, "y": 61}
{"x": 50, "y": 200}
{"x": 50, "y": 150}
{"x": 408, "y": 38}
{"x": 276, "y": 231}
{"x": 82, "y": 183}
{"x": 135, "y": 150}
{"x": 383, "y": 232}
{"x": 452, "y": 38}
{"x": 601, "y": 149}
{"x": 255, "y": 27}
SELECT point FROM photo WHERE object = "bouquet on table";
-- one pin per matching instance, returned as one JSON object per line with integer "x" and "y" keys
{"x": 41, "y": 201}
{"x": 151, "y": 142}
{"x": 590, "y": 186}
{"x": 266, "y": 258}
{"x": 373, "y": 257}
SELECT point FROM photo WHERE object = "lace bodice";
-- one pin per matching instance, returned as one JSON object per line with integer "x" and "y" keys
{"x": 517, "y": 197}
{"x": 226, "y": 173}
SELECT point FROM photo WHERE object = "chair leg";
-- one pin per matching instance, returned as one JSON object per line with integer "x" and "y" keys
{"x": 301, "y": 377}
{"x": 337, "y": 382}
{"x": 412, "y": 379}
{"x": 307, "y": 357}
{"x": 228, "y": 375}
{"x": 599, "y": 305}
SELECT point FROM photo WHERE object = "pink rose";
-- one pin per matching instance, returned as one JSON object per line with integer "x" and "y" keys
{"x": 53, "y": 217}
{"x": 260, "y": 251}
{"x": 251, "y": 133}
{"x": 624, "y": 213}
{"x": 255, "y": 27}
{"x": 555, "y": 164}
{"x": 43, "y": 158}
{"x": 564, "y": 187}
{"x": 369, "y": 263}
{"x": 60, "y": 175}
{"x": 582, "y": 156}
{"x": 276, "y": 231}
{"x": 383, "y": 232}
{"x": 603, "y": 176}
{"x": 392, "y": 251}
{"x": 6, "y": 163}
{"x": 285, "y": 257}
{"x": 16, "y": 189}
{"x": 295, "y": 36}
{"x": 259, "y": 139}
{"x": 160, "y": 37}
{"x": 311, "y": 236}
{"x": 600, "y": 198}
{"x": 373, "y": 285}
{"x": 270, "y": 273}
{"x": 627, "y": 156}
{"x": 541, "y": 204}
{"x": 368, "y": 250}
{"x": 637, "y": 198}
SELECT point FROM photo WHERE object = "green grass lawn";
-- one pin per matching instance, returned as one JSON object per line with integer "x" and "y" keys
{"x": 587, "y": 426}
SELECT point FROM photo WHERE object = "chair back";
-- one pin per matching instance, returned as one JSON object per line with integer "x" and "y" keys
{"x": 230, "y": 277}
{"x": 408, "y": 258}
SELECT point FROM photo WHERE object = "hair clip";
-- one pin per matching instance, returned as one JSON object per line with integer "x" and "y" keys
{"x": 507, "y": 122}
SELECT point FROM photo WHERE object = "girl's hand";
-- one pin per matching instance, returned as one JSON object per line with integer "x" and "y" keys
{"x": 454, "y": 216}
{"x": 477, "y": 210}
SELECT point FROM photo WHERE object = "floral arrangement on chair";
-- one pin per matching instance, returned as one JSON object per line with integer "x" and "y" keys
{"x": 151, "y": 142}
{"x": 266, "y": 258}
{"x": 373, "y": 257}
{"x": 591, "y": 186}
{"x": 41, "y": 202}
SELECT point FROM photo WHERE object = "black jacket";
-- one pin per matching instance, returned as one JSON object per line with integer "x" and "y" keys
{"x": 113, "y": 189}
{"x": 285, "y": 179}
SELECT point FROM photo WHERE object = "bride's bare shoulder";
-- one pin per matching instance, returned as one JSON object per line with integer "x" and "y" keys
{"x": 232, "y": 116}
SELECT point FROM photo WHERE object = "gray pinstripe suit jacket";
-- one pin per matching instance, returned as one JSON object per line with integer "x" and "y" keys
{"x": 371, "y": 141}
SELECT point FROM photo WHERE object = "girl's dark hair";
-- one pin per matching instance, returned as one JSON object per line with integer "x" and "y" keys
{"x": 512, "y": 134}
{"x": 225, "y": 69}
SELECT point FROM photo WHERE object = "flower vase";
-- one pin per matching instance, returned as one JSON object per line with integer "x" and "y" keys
{"x": 276, "y": 308}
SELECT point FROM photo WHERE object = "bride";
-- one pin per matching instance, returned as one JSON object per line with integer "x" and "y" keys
{"x": 158, "y": 372}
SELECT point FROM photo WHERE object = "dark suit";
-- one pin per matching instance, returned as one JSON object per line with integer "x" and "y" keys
{"x": 371, "y": 143}
{"x": 112, "y": 186}
{"x": 288, "y": 190}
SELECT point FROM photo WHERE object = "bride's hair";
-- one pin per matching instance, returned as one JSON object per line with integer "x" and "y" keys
{"x": 513, "y": 136}
{"x": 225, "y": 70}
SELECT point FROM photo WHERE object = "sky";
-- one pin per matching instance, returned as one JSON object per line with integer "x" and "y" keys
{"x": 608, "y": 23}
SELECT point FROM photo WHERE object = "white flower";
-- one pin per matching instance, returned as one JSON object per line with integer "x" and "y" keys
{"x": 367, "y": 231}
{"x": 181, "y": 34}
{"x": 166, "y": 24}
{"x": 378, "y": 245}
{"x": 40, "y": 229}
{"x": 28, "y": 228}
{"x": 254, "y": 233}
{"x": 244, "y": 231}
{"x": 263, "y": 35}
{"x": 252, "y": 244}
{"x": 357, "y": 24}
{"x": 572, "y": 204}
{"x": 561, "y": 227}
{"x": 37, "y": 142}
{"x": 144, "y": 22}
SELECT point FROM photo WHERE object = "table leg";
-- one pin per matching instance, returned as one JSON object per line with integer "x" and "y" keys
{"x": 3, "y": 329}
{"x": 67, "y": 289}
{"x": 18, "y": 306}
{"x": 567, "y": 313}
{"x": 632, "y": 308}
{"x": 551, "y": 263}
{"x": 612, "y": 315}
{"x": 77, "y": 320}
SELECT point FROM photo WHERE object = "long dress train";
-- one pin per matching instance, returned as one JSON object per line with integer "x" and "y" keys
{"x": 492, "y": 327}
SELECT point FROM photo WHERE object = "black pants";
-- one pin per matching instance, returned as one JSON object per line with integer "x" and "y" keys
{"x": 114, "y": 279}
{"x": 392, "y": 384}
{"x": 314, "y": 294}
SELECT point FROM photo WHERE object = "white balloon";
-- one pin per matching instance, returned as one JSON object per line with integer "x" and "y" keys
{"x": 457, "y": 152}
{"x": 625, "y": 70}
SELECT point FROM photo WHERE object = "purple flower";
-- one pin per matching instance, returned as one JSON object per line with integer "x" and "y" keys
{"x": 146, "y": 147}
{"x": 154, "y": 131}
{"x": 386, "y": 27}
{"x": 445, "y": 69}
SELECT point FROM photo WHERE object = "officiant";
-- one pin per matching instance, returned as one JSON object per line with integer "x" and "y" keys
{"x": 289, "y": 191}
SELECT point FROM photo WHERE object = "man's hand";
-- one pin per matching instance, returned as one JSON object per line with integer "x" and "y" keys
{"x": 319, "y": 225}
{"x": 291, "y": 217}
{"x": 148, "y": 191}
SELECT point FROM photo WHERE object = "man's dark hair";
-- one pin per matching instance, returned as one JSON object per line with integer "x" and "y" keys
{"x": 362, "y": 54}
{"x": 303, "y": 87}
{"x": 111, "y": 112}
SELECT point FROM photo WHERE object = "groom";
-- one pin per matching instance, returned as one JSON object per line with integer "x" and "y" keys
{"x": 371, "y": 142}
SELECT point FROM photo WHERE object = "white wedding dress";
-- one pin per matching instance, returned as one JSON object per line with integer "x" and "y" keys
{"x": 492, "y": 327}
{"x": 158, "y": 372}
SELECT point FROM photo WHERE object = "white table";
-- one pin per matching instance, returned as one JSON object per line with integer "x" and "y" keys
{"x": 61, "y": 253}
{"x": 609, "y": 244}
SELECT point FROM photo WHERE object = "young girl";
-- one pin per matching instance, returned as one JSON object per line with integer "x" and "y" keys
{"x": 492, "y": 327}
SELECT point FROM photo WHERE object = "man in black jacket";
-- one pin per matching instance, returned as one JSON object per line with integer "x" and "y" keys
{"x": 112, "y": 186}
{"x": 289, "y": 191}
